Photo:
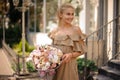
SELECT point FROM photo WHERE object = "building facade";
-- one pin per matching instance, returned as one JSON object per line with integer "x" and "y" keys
{"x": 103, "y": 42}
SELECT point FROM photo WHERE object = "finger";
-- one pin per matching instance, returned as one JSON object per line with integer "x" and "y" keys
{"x": 67, "y": 61}
{"x": 63, "y": 57}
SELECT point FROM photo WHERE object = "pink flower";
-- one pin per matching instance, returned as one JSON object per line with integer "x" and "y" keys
{"x": 46, "y": 59}
{"x": 52, "y": 72}
{"x": 42, "y": 73}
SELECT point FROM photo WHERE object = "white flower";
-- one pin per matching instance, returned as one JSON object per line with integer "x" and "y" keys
{"x": 45, "y": 57}
{"x": 55, "y": 59}
{"x": 36, "y": 61}
{"x": 29, "y": 59}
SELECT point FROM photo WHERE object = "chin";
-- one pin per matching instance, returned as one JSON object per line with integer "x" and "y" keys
{"x": 68, "y": 22}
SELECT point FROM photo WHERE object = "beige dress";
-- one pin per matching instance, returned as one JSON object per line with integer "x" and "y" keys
{"x": 68, "y": 43}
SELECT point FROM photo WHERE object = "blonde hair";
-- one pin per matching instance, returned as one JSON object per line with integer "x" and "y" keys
{"x": 62, "y": 8}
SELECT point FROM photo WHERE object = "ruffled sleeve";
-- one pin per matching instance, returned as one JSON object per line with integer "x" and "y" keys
{"x": 79, "y": 43}
{"x": 72, "y": 43}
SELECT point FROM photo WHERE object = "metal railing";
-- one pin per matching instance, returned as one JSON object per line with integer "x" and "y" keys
{"x": 101, "y": 43}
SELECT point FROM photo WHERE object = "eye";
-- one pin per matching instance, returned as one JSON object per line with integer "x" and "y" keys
{"x": 70, "y": 14}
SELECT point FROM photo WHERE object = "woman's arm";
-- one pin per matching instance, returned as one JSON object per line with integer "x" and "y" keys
{"x": 76, "y": 54}
{"x": 67, "y": 57}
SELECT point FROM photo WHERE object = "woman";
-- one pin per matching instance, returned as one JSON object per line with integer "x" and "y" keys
{"x": 69, "y": 39}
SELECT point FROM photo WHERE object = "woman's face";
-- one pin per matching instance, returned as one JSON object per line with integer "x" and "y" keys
{"x": 67, "y": 15}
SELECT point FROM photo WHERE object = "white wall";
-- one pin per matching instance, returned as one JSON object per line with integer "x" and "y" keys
{"x": 110, "y": 29}
{"x": 82, "y": 18}
{"x": 88, "y": 16}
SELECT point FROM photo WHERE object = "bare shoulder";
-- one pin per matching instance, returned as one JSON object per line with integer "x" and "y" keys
{"x": 78, "y": 29}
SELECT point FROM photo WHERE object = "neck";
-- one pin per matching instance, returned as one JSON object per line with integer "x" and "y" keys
{"x": 63, "y": 24}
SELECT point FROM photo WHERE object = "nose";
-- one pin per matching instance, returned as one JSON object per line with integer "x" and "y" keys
{"x": 71, "y": 16}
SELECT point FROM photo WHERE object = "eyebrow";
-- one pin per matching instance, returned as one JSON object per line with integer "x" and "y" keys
{"x": 70, "y": 13}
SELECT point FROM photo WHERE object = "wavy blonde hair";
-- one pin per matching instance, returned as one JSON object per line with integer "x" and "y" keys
{"x": 62, "y": 8}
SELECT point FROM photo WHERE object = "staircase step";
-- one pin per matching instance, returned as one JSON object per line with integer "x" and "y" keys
{"x": 101, "y": 77}
{"x": 110, "y": 72}
{"x": 114, "y": 64}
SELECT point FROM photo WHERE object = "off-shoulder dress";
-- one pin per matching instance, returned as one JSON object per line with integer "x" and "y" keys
{"x": 68, "y": 43}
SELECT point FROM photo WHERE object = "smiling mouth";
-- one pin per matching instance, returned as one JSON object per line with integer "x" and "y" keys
{"x": 70, "y": 19}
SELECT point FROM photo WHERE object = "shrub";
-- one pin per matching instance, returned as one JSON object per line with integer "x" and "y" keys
{"x": 28, "y": 49}
{"x": 18, "y": 48}
{"x": 30, "y": 67}
{"x": 89, "y": 64}
{"x": 15, "y": 67}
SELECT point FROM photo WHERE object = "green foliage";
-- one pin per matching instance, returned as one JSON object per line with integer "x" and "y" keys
{"x": 89, "y": 64}
{"x": 30, "y": 67}
{"x": 28, "y": 48}
{"x": 12, "y": 34}
{"x": 15, "y": 67}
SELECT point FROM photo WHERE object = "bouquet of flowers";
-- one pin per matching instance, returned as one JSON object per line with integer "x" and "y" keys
{"x": 46, "y": 59}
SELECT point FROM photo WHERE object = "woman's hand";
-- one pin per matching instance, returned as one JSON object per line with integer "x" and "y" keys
{"x": 67, "y": 57}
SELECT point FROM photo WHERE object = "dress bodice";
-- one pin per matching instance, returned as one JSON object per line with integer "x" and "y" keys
{"x": 68, "y": 42}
